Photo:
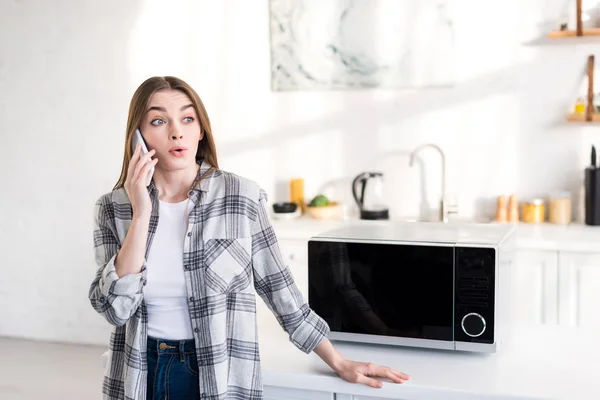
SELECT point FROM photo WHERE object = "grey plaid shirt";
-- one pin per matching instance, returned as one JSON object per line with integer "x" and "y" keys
{"x": 230, "y": 254}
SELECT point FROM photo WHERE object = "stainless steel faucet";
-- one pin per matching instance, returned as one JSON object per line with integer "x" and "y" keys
{"x": 443, "y": 205}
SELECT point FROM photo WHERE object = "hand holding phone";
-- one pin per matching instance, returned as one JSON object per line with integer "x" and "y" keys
{"x": 137, "y": 138}
{"x": 139, "y": 175}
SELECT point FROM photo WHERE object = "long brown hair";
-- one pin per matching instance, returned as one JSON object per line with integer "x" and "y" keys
{"x": 137, "y": 108}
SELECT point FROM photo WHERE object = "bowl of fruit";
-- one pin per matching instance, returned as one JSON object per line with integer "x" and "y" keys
{"x": 320, "y": 207}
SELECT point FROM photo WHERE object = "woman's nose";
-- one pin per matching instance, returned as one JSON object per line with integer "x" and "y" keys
{"x": 175, "y": 132}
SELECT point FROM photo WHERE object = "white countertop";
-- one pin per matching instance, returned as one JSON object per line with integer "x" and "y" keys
{"x": 539, "y": 363}
{"x": 570, "y": 238}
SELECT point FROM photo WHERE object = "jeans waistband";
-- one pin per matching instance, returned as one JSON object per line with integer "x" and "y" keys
{"x": 171, "y": 346}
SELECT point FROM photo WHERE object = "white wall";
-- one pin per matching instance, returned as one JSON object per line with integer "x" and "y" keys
{"x": 69, "y": 67}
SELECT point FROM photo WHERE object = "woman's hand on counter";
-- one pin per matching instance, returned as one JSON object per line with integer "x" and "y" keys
{"x": 362, "y": 372}
{"x": 355, "y": 371}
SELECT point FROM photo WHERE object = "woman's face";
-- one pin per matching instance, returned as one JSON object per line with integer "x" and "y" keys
{"x": 171, "y": 127}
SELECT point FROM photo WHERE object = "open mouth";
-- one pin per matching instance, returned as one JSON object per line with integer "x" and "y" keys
{"x": 178, "y": 151}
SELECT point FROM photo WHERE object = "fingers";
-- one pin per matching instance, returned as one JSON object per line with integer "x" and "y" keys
{"x": 145, "y": 171}
{"x": 132, "y": 163}
{"x": 365, "y": 380}
{"x": 395, "y": 376}
{"x": 143, "y": 161}
{"x": 401, "y": 375}
{"x": 382, "y": 370}
{"x": 386, "y": 372}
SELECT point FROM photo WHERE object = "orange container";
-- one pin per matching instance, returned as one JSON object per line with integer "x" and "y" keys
{"x": 297, "y": 193}
{"x": 533, "y": 211}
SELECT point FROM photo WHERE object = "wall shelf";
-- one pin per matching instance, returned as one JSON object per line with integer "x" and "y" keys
{"x": 573, "y": 34}
{"x": 579, "y": 31}
{"x": 573, "y": 117}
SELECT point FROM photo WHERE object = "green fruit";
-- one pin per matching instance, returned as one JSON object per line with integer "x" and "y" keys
{"x": 319, "y": 201}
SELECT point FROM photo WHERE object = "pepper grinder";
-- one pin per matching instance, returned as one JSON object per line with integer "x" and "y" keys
{"x": 501, "y": 209}
{"x": 513, "y": 209}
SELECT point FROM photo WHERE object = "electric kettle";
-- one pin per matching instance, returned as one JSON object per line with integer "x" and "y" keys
{"x": 367, "y": 189}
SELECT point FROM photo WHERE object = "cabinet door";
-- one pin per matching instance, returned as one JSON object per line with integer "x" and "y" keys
{"x": 580, "y": 290}
{"x": 534, "y": 298}
{"x": 354, "y": 397}
{"x": 279, "y": 393}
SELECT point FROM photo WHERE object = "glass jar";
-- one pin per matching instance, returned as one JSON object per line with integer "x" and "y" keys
{"x": 580, "y": 106}
{"x": 560, "y": 208}
{"x": 533, "y": 211}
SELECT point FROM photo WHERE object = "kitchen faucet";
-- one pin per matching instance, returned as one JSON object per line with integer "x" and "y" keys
{"x": 443, "y": 205}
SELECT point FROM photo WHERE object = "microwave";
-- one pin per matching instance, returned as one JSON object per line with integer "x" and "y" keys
{"x": 429, "y": 285}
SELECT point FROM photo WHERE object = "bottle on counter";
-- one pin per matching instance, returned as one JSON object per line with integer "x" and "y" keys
{"x": 297, "y": 193}
{"x": 592, "y": 192}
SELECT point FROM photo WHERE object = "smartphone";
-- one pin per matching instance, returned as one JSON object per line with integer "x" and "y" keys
{"x": 137, "y": 138}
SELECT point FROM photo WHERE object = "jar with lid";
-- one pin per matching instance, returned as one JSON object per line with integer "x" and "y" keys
{"x": 533, "y": 210}
{"x": 560, "y": 208}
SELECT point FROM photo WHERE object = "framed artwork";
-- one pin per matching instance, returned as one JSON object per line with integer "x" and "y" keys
{"x": 354, "y": 44}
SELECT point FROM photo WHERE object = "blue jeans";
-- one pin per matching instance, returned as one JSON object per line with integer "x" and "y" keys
{"x": 172, "y": 370}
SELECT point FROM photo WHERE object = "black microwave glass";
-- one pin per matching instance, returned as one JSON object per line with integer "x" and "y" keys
{"x": 382, "y": 289}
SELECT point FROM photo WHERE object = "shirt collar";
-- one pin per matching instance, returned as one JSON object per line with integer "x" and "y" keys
{"x": 203, "y": 185}
{"x": 207, "y": 171}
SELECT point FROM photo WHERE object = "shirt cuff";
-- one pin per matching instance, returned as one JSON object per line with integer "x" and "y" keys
{"x": 126, "y": 285}
{"x": 310, "y": 333}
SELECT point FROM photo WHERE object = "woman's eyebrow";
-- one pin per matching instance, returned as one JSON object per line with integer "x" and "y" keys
{"x": 165, "y": 110}
{"x": 157, "y": 109}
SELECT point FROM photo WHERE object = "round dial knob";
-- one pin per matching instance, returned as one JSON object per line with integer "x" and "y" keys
{"x": 473, "y": 325}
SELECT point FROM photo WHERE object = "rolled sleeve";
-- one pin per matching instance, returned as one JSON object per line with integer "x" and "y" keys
{"x": 116, "y": 299}
{"x": 127, "y": 285}
{"x": 310, "y": 332}
{"x": 275, "y": 285}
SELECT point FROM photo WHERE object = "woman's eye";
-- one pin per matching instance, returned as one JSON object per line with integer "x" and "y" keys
{"x": 188, "y": 119}
{"x": 157, "y": 122}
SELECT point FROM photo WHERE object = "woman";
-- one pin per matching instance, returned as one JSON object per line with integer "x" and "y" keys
{"x": 179, "y": 262}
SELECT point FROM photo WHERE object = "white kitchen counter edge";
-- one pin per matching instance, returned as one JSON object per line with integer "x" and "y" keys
{"x": 575, "y": 237}
{"x": 333, "y": 384}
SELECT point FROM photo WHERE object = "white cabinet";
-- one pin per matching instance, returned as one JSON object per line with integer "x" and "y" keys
{"x": 579, "y": 290}
{"x": 351, "y": 397}
{"x": 551, "y": 287}
{"x": 534, "y": 287}
{"x": 279, "y": 393}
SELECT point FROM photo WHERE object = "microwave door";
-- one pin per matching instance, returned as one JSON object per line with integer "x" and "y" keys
{"x": 383, "y": 289}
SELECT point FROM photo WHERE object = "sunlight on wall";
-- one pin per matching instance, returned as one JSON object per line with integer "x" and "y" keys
{"x": 158, "y": 40}
{"x": 273, "y": 166}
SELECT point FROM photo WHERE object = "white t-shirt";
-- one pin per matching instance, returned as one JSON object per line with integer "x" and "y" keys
{"x": 165, "y": 292}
